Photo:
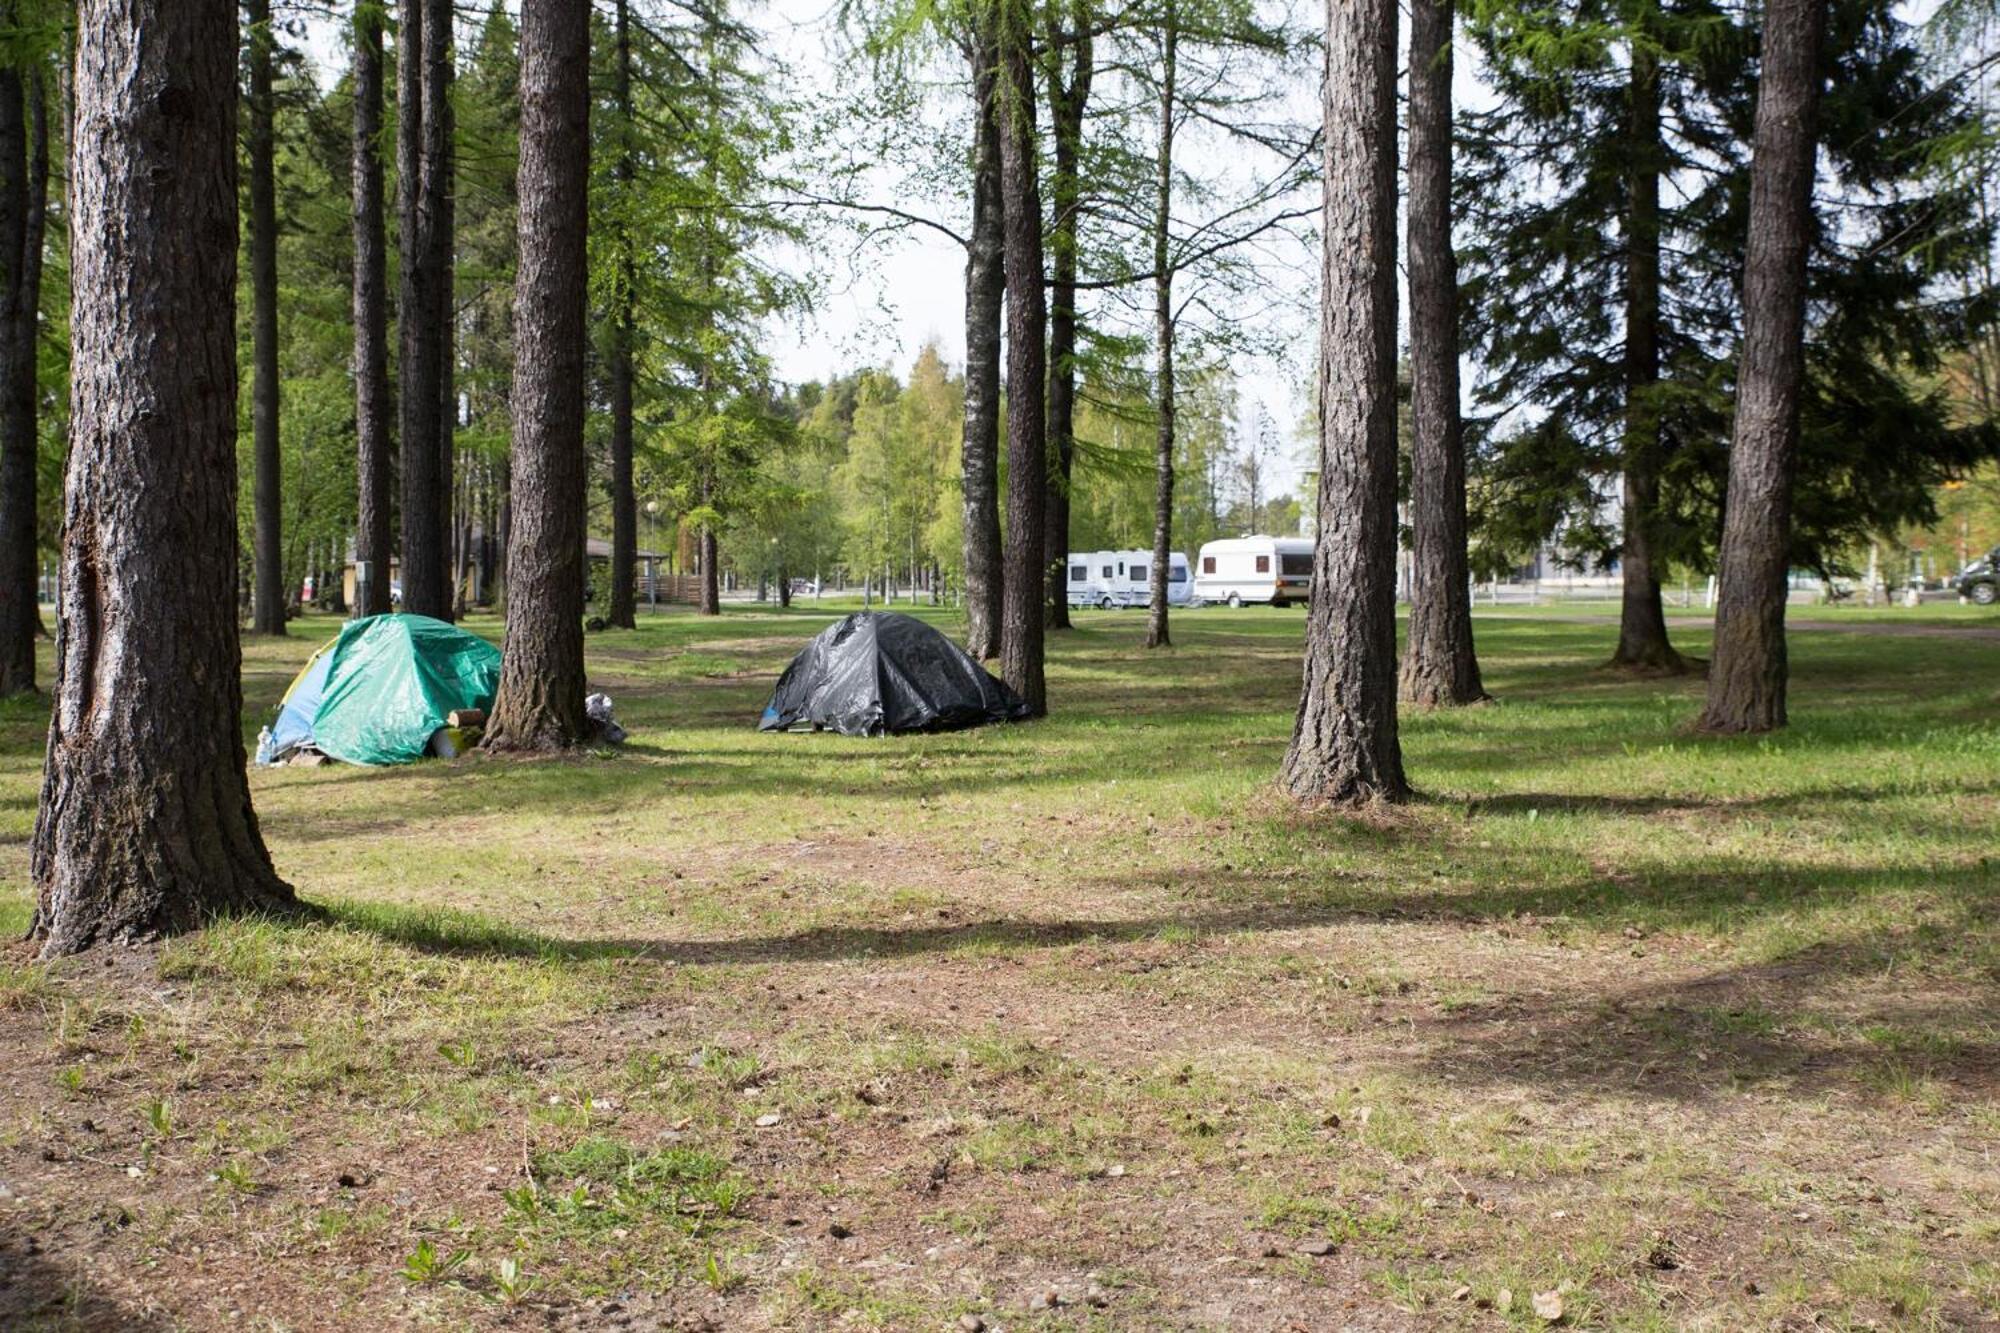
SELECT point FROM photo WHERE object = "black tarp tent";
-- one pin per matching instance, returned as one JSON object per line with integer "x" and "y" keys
{"x": 878, "y": 672}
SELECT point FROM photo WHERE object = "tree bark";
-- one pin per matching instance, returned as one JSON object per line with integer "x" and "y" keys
{"x": 985, "y": 288}
{"x": 419, "y": 318}
{"x": 540, "y": 701}
{"x": 1157, "y": 633}
{"x": 1746, "y": 678}
{"x": 267, "y": 613}
{"x": 1344, "y": 746}
{"x": 1027, "y": 365}
{"x": 1067, "y": 103}
{"x": 1439, "y": 666}
{"x": 621, "y": 605}
{"x": 24, "y": 191}
{"x": 145, "y": 824}
{"x": 1642, "y": 622}
{"x": 374, "y": 470}
{"x": 441, "y": 179}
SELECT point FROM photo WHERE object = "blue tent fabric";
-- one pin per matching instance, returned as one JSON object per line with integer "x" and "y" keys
{"x": 294, "y": 726}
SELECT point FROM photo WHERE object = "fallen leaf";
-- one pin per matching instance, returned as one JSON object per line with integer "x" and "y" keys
{"x": 1549, "y": 1305}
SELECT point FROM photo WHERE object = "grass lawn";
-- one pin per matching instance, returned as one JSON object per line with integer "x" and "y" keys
{"x": 1071, "y": 1024}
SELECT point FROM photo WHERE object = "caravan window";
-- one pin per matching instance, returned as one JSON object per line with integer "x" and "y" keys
{"x": 1142, "y": 573}
{"x": 1079, "y": 573}
{"x": 1178, "y": 573}
{"x": 1208, "y": 564}
{"x": 1300, "y": 564}
{"x": 1107, "y": 571}
{"x": 1263, "y": 564}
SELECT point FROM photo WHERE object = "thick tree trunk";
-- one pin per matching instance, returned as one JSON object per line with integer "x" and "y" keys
{"x": 1642, "y": 622}
{"x": 540, "y": 701}
{"x": 621, "y": 608}
{"x": 267, "y": 613}
{"x": 1027, "y": 363}
{"x": 374, "y": 471}
{"x": 419, "y": 318}
{"x": 1067, "y": 103}
{"x": 1344, "y": 745}
{"x": 1157, "y": 634}
{"x": 1439, "y": 667}
{"x": 985, "y": 288}
{"x": 1746, "y": 677}
{"x": 24, "y": 191}
{"x": 145, "y": 824}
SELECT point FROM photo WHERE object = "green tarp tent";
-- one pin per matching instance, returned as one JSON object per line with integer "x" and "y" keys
{"x": 377, "y": 693}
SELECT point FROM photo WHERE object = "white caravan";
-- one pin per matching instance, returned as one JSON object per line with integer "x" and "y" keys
{"x": 1277, "y": 570}
{"x": 1095, "y": 578}
{"x": 1136, "y": 589}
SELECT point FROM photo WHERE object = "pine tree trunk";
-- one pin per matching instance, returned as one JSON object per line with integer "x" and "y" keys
{"x": 540, "y": 701}
{"x": 24, "y": 188}
{"x": 985, "y": 288}
{"x": 440, "y": 165}
{"x": 373, "y": 544}
{"x": 267, "y": 614}
{"x": 1027, "y": 363}
{"x": 1439, "y": 667}
{"x": 711, "y": 574}
{"x": 145, "y": 824}
{"x": 1067, "y": 103}
{"x": 1157, "y": 634}
{"x": 419, "y": 316}
{"x": 1642, "y": 622}
{"x": 621, "y": 609}
{"x": 1344, "y": 746}
{"x": 1746, "y": 678}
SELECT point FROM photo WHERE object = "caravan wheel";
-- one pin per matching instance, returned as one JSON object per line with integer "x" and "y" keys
{"x": 1235, "y": 602}
{"x": 1104, "y": 603}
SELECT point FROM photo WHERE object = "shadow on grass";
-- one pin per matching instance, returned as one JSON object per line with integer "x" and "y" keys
{"x": 40, "y": 1295}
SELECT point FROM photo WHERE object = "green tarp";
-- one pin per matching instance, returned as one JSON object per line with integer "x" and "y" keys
{"x": 375, "y": 694}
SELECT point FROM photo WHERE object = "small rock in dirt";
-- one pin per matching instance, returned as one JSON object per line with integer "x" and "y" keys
{"x": 768, "y": 1120}
{"x": 1548, "y": 1306}
{"x": 1462, "y": 1293}
{"x": 838, "y": 1231}
{"x": 1115, "y": 1170}
{"x": 1047, "y": 1300}
{"x": 971, "y": 1323}
{"x": 1317, "y": 1246}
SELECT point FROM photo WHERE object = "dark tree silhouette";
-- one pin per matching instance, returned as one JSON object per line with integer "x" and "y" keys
{"x": 1344, "y": 746}
{"x": 540, "y": 701}
{"x": 620, "y": 608}
{"x": 1439, "y": 666}
{"x": 267, "y": 605}
{"x": 24, "y": 193}
{"x": 1746, "y": 678}
{"x": 423, "y": 242}
{"x": 145, "y": 824}
{"x": 373, "y": 542}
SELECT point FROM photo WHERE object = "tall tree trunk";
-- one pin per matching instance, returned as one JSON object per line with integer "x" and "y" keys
{"x": 1027, "y": 362}
{"x": 1157, "y": 635}
{"x": 373, "y": 541}
{"x": 1746, "y": 678}
{"x": 1344, "y": 746}
{"x": 145, "y": 824}
{"x": 1642, "y": 622}
{"x": 419, "y": 315}
{"x": 540, "y": 701}
{"x": 709, "y": 556}
{"x": 1439, "y": 667}
{"x": 985, "y": 288}
{"x": 24, "y": 192}
{"x": 621, "y": 609}
{"x": 1067, "y": 103}
{"x": 441, "y": 180}
{"x": 267, "y": 614}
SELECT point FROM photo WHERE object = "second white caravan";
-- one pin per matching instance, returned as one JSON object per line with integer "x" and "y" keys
{"x": 1277, "y": 570}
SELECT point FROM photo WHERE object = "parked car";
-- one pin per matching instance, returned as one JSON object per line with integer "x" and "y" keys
{"x": 1980, "y": 581}
{"x": 1277, "y": 570}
